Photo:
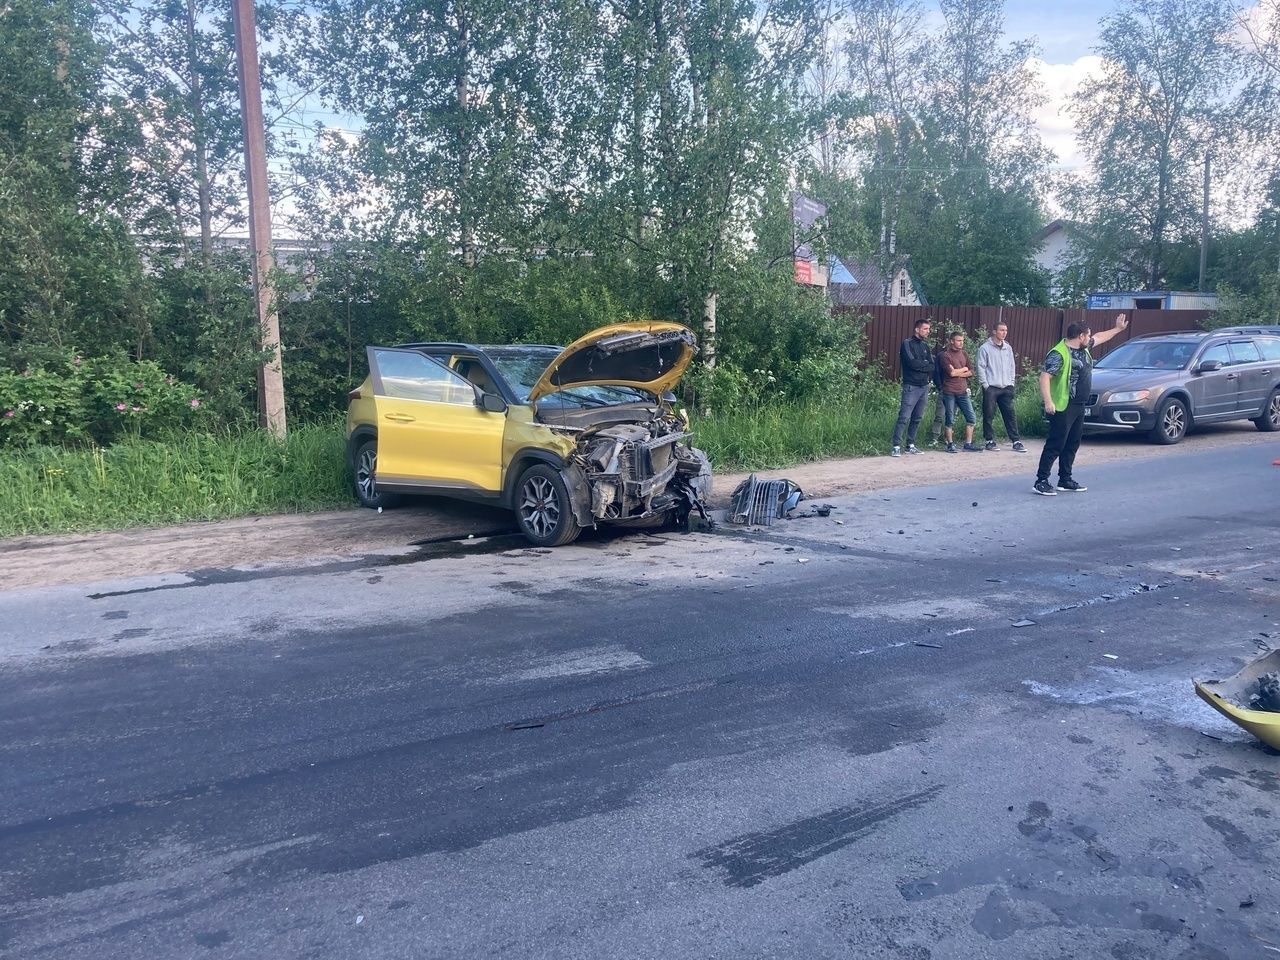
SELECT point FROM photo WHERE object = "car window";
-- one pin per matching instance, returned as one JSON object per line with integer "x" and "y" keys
{"x": 522, "y": 368}
{"x": 1270, "y": 347}
{"x": 1149, "y": 355}
{"x": 408, "y": 375}
{"x": 1243, "y": 351}
{"x": 1219, "y": 352}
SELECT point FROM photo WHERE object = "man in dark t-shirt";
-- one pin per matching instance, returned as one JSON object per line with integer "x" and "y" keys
{"x": 1066, "y": 379}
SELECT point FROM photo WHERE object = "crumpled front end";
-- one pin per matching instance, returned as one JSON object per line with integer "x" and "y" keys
{"x": 637, "y": 471}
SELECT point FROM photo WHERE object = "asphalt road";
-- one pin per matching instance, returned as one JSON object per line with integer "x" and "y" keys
{"x": 817, "y": 740}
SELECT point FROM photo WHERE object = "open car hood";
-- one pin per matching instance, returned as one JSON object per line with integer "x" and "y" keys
{"x": 647, "y": 354}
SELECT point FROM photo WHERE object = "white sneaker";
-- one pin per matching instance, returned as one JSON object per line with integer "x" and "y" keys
{"x": 895, "y": 452}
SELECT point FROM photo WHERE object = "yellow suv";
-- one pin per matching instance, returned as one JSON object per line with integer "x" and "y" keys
{"x": 567, "y": 438}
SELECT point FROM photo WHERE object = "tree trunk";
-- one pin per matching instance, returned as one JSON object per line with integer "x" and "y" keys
{"x": 466, "y": 221}
{"x": 709, "y": 330}
{"x": 200, "y": 139}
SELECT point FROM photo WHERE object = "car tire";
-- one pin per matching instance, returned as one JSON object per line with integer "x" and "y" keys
{"x": 1270, "y": 419}
{"x": 543, "y": 509}
{"x": 366, "y": 483}
{"x": 1173, "y": 420}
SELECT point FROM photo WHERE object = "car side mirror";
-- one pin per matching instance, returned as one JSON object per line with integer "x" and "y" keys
{"x": 491, "y": 403}
{"x": 1208, "y": 366}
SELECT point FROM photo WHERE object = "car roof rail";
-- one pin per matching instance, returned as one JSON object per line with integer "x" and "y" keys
{"x": 1251, "y": 328}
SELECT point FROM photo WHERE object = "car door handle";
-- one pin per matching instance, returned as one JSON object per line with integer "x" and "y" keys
{"x": 399, "y": 417}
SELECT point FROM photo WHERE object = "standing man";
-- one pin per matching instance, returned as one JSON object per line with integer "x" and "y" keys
{"x": 917, "y": 371}
{"x": 997, "y": 375}
{"x": 955, "y": 391}
{"x": 1065, "y": 382}
{"x": 935, "y": 434}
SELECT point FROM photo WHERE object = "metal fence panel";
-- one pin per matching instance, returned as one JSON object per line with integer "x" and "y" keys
{"x": 1032, "y": 330}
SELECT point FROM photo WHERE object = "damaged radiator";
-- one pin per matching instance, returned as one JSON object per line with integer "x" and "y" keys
{"x": 759, "y": 501}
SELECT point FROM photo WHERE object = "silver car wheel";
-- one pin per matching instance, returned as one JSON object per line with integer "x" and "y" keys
{"x": 366, "y": 472}
{"x": 1174, "y": 421}
{"x": 539, "y": 508}
{"x": 1273, "y": 411}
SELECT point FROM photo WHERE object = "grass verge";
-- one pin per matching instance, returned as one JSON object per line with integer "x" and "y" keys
{"x": 774, "y": 436}
{"x": 243, "y": 472}
{"x": 189, "y": 477}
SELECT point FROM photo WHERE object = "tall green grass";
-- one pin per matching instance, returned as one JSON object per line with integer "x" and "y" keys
{"x": 773, "y": 436}
{"x": 193, "y": 476}
{"x": 201, "y": 476}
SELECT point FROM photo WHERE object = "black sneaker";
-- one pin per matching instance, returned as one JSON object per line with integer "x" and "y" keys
{"x": 971, "y": 448}
{"x": 991, "y": 445}
{"x": 1018, "y": 447}
{"x": 951, "y": 448}
{"x": 1042, "y": 487}
{"x": 1071, "y": 486}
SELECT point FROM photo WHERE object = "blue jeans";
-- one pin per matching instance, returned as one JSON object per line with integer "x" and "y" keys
{"x": 950, "y": 402}
{"x": 910, "y": 411}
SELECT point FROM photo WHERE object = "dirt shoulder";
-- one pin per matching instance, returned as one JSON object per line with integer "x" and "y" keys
{"x": 294, "y": 538}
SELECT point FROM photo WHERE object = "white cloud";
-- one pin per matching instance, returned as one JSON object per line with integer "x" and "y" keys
{"x": 1053, "y": 120}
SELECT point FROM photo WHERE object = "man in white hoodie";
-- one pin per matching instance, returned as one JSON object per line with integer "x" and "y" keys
{"x": 997, "y": 374}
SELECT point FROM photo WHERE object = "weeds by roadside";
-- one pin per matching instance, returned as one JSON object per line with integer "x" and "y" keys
{"x": 231, "y": 473}
{"x": 192, "y": 476}
{"x": 779, "y": 435}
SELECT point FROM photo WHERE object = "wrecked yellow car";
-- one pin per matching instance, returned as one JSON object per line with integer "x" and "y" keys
{"x": 1250, "y": 698}
{"x": 566, "y": 438}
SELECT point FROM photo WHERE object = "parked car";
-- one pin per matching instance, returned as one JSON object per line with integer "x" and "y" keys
{"x": 567, "y": 438}
{"x": 1167, "y": 384}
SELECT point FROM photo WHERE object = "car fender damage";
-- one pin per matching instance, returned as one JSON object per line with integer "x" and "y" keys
{"x": 629, "y": 470}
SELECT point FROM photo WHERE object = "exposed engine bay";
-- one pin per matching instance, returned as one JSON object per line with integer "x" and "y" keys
{"x": 635, "y": 469}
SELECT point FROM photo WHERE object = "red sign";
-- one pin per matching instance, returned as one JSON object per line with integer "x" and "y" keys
{"x": 804, "y": 272}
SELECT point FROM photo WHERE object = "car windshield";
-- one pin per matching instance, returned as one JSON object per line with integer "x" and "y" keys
{"x": 522, "y": 368}
{"x": 1150, "y": 355}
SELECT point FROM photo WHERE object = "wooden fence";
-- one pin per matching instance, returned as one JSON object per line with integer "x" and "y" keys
{"x": 1032, "y": 330}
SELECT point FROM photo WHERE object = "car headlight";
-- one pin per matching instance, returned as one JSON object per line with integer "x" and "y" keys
{"x": 1132, "y": 396}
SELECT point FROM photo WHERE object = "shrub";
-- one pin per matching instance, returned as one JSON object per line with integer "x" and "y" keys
{"x": 101, "y": 399}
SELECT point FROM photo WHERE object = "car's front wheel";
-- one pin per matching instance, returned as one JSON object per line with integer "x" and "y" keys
{"x": 543, "y": 509}
{"x": 366, "y": 485}
{"x": 1172, "y": 422}
{"x": 1270, "y": 419}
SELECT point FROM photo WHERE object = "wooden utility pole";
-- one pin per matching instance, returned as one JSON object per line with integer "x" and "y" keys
{"x": 270, "y": 374}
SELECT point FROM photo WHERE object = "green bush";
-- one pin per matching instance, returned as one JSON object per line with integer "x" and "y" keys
{"x": 98, "y": 400}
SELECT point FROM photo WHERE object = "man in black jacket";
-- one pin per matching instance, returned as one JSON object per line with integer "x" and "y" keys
{"x": 917, "y": 374}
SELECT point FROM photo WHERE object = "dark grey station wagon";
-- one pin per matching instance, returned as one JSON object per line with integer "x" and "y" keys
{"x": 1166, "y": 384}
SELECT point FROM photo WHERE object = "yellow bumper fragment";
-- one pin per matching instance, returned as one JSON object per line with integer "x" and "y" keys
{"x": 1231, "y": 696}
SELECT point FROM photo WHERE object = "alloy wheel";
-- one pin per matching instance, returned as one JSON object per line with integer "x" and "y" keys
{"x": 539, "y": 508}
{"x": 366, "y": 471}
{"x": 1174, "y": 421}
{"x": 1273, "y": 411}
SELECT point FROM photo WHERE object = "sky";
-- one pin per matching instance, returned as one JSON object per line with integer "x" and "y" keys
{"x": 1066, "y": 34}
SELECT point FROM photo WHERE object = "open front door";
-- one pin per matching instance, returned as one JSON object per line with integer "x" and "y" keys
{"x": 431, "y": 433}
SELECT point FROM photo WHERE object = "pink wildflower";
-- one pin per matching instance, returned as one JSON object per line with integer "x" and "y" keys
{"x": 8, "y": 413}
{"x": 76, "y": 361}
{"x": 136, "y": 409}
{"x": 195, "y": 402}
{"x": 120, "y": 407}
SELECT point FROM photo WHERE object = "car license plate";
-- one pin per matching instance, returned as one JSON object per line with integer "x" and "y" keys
{"x": 1088, "y": 411}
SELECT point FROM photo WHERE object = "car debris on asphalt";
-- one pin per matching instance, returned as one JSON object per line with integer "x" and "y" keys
{"x": 760, "y": 502}
{"x": 1249, "y": 698}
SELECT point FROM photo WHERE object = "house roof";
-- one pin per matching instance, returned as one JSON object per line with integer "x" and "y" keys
{"x": 1048, "y": 230}
{"x": 865, "y": 286}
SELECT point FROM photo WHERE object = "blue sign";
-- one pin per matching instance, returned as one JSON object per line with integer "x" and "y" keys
{"x": 1098, "y": 301}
